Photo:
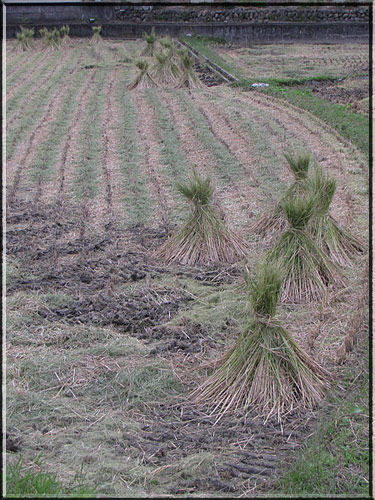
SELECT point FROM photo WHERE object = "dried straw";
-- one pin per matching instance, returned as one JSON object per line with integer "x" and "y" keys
{"x": 266, "y": 371}
{"x": 308, "y": 271}
{"x": 143, "y": 80}
{"x": 204, "y": 238}
{"x": 337, "y": 242}
{"x": 274, "y": 221}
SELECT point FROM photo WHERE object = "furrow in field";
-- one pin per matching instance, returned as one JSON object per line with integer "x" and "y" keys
{"x": 69, "y": 149}
{"x": 31, "y": 87}
{"x": 16, "y": 63}
{"x": 26, "y": 120}
{"x": 109, "y": 198}
{"x": 18, "y": 165}
{"x": 232, "y": 138}
{"x": 152, "y": 158}
{"x": 29, "y": 75}
{"x": 204, "y": 161}
{"x": 137, "y": 206}
{"x": 337, "y": 159}
{"x": 175, "y": 165}
{"x": 85, "y": 187}
{"x": 44, "y": 160}
{"x": 231, "y": 193}
{"x": 264, "y": 142}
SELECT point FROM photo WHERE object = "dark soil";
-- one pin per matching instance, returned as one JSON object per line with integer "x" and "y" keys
{"x": 339, "y": 95}
{"x": 249, "y": 450}
{"x": 94, "y": 272}
{"x": 208, "y": 77}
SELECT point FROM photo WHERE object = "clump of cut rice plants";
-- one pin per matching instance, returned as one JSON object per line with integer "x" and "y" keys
{"x": 189, "y": 78}
{"x": 144, "y": 79}
{"x": 64, "y": 31}
{"x": 338, "y": 243}
{"x": 96, "y": 37}
{"x": 204, "y": 238}
{"x": 275, "y": 221}
{"x": 165, "y": 70}
{"x": 52, "y": 39}
{"x": 307, "y": 270}
{"x": 266, "y": 371}
{"x": 151, "y": 40}
{"x": 25, "y": 39}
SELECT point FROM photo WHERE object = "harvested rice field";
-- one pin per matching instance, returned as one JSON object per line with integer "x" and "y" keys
{"x": 104, "y": 341}
{"x": 298, "y": 60}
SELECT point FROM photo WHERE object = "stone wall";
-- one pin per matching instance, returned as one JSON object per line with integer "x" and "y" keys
{"x": 25, "y": 14}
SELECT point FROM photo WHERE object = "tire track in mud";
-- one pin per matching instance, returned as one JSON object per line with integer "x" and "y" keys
{"x": 19, "y": 117}
{"x": 199, "y": 156}
{"x": 22, "y": 160}
{"x": 151, "y": 146}
{"x": 318, "y": 140}
{"x": 29, "y": 74}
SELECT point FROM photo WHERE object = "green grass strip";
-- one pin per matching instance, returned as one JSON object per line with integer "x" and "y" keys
{"x": 22, "y": 482}
{"x": 137, "y": 202}
{"x": 86, "y": 177}
{"x": 201, "y": 44}
{"x": 171, "y": 153}
{"x": 335, "y": 460}
{"x": 352, "y": 126}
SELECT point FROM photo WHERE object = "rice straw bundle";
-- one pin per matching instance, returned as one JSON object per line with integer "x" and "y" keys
{"x": 64, "y": 31}
{"x": 143, "y": 80}
{"x": 275, "y": 222}
{"x": 25, "y": 39}
{"x": 204, "y": 238}
{"x": 335, "y": 241}
{"x": 96, "y": 37}
{"x": 150, "y": 39}
{"x": 307, "y": 270}
{"x": 266, "y": 371}
{"x": 165, "y": 71}
{"x": 189, "y": 78}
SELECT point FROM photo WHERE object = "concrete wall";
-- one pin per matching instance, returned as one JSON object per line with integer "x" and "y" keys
{"x": 246, "y": 33}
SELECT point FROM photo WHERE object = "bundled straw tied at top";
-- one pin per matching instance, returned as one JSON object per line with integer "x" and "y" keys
{"x": 337, "y": 242}
{"x": 307, "y": 270}
{"x": 204, "y": 238}
{"x": 144, "y": 79}
{"x": 275, "y": 221}
{"x": 25, "y": 39}
{"x": 96, "y": 37}
{"x": 165, "y": 71}
{"x": 266, "y": 371}
{"x": 151, "y": 41}
{"x": 189, "y": 78}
